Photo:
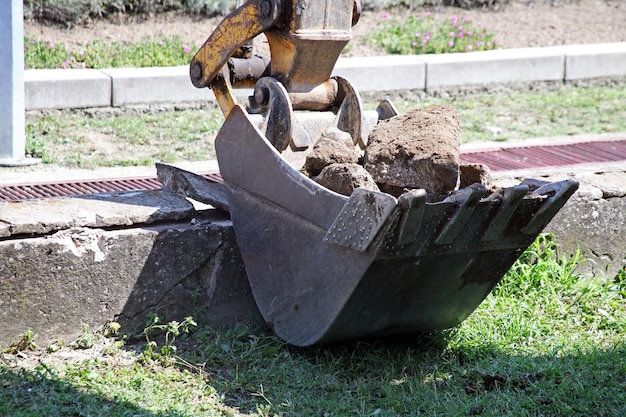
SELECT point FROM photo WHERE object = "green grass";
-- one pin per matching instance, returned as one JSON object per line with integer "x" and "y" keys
{"x": 516, "y": 115}
{"x": 546, "y": 342}
{"x": 149, "y": 51}
{"x": 101, "y": 140}
{"x": 428, "y": 34}
{"x": 83, "y": 139}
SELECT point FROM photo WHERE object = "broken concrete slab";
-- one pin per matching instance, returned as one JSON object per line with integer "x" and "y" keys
{"x": 55, "y": 283}
{"x": 123, "y": 208}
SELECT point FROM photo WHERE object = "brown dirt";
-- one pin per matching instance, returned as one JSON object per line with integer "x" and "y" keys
{"x": 417, "y": 149}
{"x": 520, "y": 23}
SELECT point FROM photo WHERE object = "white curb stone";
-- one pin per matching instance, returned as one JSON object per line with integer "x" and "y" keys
{"x": 495, "y": 66}
{"x": 383, "y": 73}
{"x": 66, "y": 88}
{"x": 594, "y": 60}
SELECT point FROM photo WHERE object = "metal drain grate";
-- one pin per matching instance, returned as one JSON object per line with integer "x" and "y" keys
{"x": 548, "y": 155}
{"x": 498, "y": 160}
{"x": 16, "y": 192}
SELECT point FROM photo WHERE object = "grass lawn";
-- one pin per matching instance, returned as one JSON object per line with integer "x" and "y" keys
{"x": 95, "y": 138}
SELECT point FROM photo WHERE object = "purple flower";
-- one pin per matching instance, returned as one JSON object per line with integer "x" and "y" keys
{"x": 468, "y": 33}
{"x": 161, "y": 43}
{"x": 384, "y": 17}
{"x": 186, "y": 48}
{"x": 466, "y": 19}
{"x": 460, "y": 35}
{"x": 428, "y": 13}
{"x": 32, "y": 41}
{"x": 424, "y": 41}
{"x": 469, "y": 47}
{"x": 413, "y": 43}
{"x": 452, "y": 34}
{"x": 450, "y": 43}
{"x": 126, "y": 40}
{"x": 418, "y": 35}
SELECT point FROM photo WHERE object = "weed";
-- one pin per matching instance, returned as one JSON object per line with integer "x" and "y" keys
{"x": 40, "y": 54}
{"x": 26, "y": 342}
{"x": 170, "y": 330}
{"x": 428, "y": 34}
{"x": 149, "y": 51}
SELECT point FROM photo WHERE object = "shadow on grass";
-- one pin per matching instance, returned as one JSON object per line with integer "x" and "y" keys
{"x": 423, "y": 375}
{"x": 40, "y": 392}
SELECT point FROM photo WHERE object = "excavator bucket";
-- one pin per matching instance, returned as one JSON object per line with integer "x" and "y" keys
{"x": 324, "y": 266}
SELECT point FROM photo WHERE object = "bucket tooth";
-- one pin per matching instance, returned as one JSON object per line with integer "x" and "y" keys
{"x": 467, "y": 199}
{"x": 510, "y": 201}
{"x": 558, "y": 193}
{"x": 413, "y": 204}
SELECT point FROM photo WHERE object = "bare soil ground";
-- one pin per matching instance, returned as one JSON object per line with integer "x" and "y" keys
{"x": 516, "y": 24}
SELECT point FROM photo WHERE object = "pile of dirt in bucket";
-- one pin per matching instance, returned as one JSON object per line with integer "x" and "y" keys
{"x": 415, "y": 150}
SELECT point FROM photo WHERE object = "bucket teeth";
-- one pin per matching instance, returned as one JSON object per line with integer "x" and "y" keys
{"x": 468, "y": 199}
{"x": 558, "y": 193}
{"x": 510, "y": 201}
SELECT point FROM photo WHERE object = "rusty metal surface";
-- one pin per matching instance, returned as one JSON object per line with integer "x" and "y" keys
{"x": 17, "y": 192}
{"x": 521, "y": 157}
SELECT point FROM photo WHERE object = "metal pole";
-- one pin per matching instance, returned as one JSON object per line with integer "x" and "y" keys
{"x": 12, "y": 110}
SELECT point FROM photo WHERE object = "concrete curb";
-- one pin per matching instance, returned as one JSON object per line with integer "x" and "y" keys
{"x": 80, "y": 88}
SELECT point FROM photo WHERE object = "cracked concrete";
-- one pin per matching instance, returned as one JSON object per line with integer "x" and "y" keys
{"x": 56, "y": 282}
{"x": 593, "y": 220}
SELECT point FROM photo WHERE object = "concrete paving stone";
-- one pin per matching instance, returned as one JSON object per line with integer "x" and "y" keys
{"x": 121, "y": 208}
{"x": 66, "y": 88}
{"x": 594, "y": 60}
{"x": 612, "y": 183}
{"x": 495, "y": 66}
{"x": 383, "y": 73}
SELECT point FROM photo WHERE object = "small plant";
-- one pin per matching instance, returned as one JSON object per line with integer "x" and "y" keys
{"x": 428, "y": 34}
{"x": 27, "y": 342}
{"x": 149, "y": 51}
{"x": 41, "y": 54}
{"x": 172, "y": 330}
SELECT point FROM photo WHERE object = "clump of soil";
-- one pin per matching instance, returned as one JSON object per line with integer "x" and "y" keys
{"x": 416, "y": 150}
{"x": 345, "y": 178}
{"x": 419, "y": 149}
{"x": 328, "y": 151}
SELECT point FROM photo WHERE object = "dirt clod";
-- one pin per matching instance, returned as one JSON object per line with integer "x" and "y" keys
{"x": 418, "y": 149}
{"x": 475, "y": 173}
{"x": 328, "y": 151}
{"x": 345, "y": 178}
